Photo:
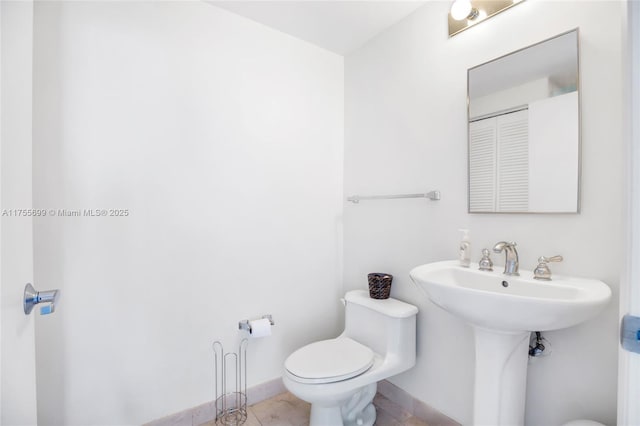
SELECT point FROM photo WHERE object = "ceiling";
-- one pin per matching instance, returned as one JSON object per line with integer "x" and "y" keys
{"x": 339, "y": 26}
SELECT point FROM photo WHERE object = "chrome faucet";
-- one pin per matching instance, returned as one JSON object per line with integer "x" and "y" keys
{"x": 511, "y": 264}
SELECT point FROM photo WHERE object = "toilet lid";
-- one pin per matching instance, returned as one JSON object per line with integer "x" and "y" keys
{"x": 329, "y": 361}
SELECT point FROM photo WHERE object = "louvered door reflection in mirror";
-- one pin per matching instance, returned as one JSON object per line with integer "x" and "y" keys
{"x": 524, "y": 130}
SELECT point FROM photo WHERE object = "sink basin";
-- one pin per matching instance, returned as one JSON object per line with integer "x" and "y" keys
{"x": 510, "y": 303}
{"x": 503, "y": 311}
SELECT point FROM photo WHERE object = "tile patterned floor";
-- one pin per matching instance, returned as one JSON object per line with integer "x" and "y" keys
{"x": 287, "y": 410}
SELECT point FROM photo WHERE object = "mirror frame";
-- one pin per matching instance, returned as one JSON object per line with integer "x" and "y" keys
{"x": 579, "y": 89}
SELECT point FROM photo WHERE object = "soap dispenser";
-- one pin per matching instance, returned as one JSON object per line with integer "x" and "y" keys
{"x": 465, "y": 249}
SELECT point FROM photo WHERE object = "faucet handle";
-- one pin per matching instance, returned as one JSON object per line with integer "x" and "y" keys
{"x": 556, "y": 258}
{"x": 542, "y": 271}
{"x": 485, "y": 263}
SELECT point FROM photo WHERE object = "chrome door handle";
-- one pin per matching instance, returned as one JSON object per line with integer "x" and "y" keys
{"x": 33, "y": 298}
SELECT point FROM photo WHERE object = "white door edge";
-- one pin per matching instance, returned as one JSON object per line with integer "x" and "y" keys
{"x": 629, "y": 363}
{"x": 17, "y": 344}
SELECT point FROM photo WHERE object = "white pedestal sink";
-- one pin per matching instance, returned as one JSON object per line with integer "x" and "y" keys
{"x": 503, "y": 311}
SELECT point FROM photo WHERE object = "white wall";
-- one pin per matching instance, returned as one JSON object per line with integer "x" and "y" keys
{"x": 224, "y": 140}
{"x": 405, "y": 131}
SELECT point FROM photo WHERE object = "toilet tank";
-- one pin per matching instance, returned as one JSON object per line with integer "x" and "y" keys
{"x": 387, "y": 326}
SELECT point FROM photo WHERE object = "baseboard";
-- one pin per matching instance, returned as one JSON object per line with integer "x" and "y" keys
{"x": 414, "y": 406}
{"x": 206, "y": 412}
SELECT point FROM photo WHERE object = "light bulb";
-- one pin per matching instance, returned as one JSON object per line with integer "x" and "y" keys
{"x": 460, "y": 9}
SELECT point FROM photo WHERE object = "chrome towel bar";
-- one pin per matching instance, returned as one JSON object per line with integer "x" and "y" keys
{"x": 432, "y": 195}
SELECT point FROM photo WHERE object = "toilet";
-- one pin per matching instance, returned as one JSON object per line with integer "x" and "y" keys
{"x": 582, "y": 423}
{"x": 339, "y": 377}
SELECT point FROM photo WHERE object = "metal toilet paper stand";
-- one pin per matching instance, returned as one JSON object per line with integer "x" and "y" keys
{"x": 231, "y": 379}
{"x": 230, "y": 384}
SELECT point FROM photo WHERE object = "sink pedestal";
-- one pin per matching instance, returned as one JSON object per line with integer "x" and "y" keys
{"x": 501, "y": 377}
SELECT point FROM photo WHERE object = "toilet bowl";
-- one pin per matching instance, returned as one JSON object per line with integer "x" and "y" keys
{"x": 339, "y": 376}
{"x": 582, "y": 423}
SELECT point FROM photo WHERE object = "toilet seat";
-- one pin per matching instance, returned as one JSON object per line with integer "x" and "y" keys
{"x": 329, "y": 361}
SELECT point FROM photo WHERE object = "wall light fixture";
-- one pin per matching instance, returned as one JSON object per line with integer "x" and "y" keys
{"x": 466, "y": 13}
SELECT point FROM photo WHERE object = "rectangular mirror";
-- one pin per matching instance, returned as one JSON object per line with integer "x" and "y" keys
{"x": 524, "y": 130}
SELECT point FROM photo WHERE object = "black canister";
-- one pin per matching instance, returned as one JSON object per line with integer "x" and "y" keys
{"x": 379, "y": 285}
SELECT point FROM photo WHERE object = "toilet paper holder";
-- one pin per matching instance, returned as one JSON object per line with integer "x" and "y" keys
{"x": 245, "y": 325}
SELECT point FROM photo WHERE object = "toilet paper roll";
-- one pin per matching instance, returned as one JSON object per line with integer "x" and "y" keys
{"x": 260, "y": 328}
